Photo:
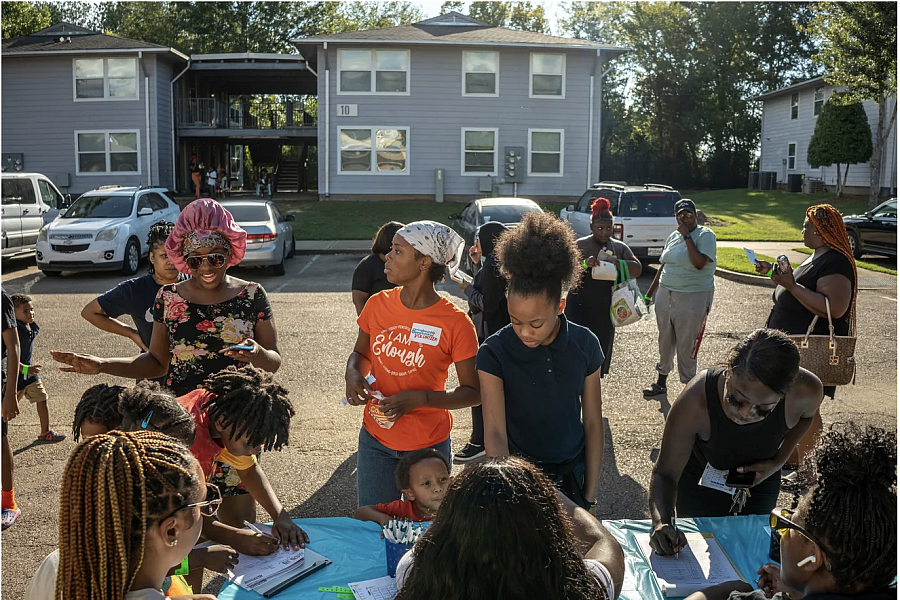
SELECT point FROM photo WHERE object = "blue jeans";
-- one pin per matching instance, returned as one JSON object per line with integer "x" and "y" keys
{"x": 375, "y": 466}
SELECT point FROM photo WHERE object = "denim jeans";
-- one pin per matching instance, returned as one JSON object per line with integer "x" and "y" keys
{"x": 375, "y": 466}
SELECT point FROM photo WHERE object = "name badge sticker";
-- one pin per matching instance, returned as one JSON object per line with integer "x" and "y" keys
{"x": 425, "y": 334}
{"x": 714, "y": 479}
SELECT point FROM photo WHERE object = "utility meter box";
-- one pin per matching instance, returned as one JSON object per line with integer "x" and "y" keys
{"x": 514, "y": 164}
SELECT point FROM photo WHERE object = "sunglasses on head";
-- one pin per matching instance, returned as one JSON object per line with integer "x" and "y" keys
{"x": 208, "y": 507}
{"x": 780, "y": 522}
{"x": 215, "y": 261}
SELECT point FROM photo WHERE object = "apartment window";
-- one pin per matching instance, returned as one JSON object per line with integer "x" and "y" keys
{"x": 373, "y": 71}
{"x": 818, "y": 100}
{"x": 105, "y": 79}
{"x": 795, "y": 105}
{"x": 480, "y": 71}
{"x": 545, "y": 152}
{"x": 103, "y": 152}
{"x": 377, "y": 150}
{"x": 792, "y": 156}
{"x": 548, "y": 75}
{"x": 479, "y": 152}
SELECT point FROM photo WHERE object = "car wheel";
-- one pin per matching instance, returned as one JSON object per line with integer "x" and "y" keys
{"x": 132, "y": 257}
{"x": 51, "y": 273}
{"x": 279, "y": 269}
{"x": 855, "y": 245}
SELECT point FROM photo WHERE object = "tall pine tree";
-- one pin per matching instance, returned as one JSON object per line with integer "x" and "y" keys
{"x": 842, "y": 137}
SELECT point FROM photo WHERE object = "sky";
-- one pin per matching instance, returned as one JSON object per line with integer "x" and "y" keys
{"x": 432, "y": 8}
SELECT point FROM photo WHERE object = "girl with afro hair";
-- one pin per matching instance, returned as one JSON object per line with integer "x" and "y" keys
{"x": 540, "y": 375}
{"x": 589, "y": 304}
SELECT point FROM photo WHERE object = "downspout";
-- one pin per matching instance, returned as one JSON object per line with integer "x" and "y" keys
{"x": 591, "y": 121}
{"x": 147, "y": 122}
{"x": 600, "y": 115}
{"x": 327, "y": 122}
{"x": 172, "y": 117}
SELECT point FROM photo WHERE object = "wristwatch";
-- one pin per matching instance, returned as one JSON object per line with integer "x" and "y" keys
{"x": 686, "y": 237}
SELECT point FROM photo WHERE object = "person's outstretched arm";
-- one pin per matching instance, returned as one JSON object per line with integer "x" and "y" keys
{"x": 148, "y": 365}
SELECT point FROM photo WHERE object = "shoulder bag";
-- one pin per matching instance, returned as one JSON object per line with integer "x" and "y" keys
{"x": 830, "y": 357}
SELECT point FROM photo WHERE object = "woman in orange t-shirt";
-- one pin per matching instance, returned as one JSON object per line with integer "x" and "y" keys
{"x": 408, "y": 337}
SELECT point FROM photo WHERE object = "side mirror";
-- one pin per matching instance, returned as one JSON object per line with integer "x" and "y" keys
{"x": 145, "y": 212}
{"x": 289, "y": 217}
{"x": 453, "y": 217}
{"x": 570, "y": 208}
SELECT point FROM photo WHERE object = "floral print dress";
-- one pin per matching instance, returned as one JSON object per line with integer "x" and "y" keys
{"x": 198, "y": 331}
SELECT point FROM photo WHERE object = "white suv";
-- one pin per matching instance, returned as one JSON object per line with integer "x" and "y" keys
{"x": 643, "y": 215}
{"x": 104, "y": 230}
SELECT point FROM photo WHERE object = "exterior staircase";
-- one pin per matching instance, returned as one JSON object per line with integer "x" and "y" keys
{"x": 289, "y": 176}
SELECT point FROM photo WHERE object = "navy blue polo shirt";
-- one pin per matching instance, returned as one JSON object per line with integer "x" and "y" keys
{"x": 542, "y": 387}
{"x": 26, "y": 349}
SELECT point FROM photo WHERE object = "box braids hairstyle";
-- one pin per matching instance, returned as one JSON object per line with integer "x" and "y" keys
{"x": 830, "y": 227}
{"x": 250, "y": 402}
{"x": 149, "y": 401}
{"x": 99, "y": 404}
{"x": 115, "y": 487}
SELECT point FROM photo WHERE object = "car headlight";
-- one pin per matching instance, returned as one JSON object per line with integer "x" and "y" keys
{"x": 42, "y": 234}
{"x": 107, "y": 234}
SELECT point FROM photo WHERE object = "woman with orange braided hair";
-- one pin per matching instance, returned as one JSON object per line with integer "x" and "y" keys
{"x": 130, "y": 510}
{"x": 829, "y": 273}
{"x": 589, "y": 303}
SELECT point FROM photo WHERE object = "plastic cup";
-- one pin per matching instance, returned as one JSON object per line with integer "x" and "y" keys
{"x": 377, "y": 414}
{"x": 394, "y": 553}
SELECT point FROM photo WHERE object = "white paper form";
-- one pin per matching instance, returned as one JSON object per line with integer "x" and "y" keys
{"x": 751, "y": 255}
{"x": 383, "y": 588}
{"x": 253, "y": 572}
{"x": 700, "y": 564}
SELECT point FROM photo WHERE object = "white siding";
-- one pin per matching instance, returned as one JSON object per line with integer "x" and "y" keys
{"x": 778, "y": 130}
{"x": 435, "y": 111}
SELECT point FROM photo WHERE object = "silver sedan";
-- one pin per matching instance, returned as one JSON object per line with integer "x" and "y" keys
{"x": 270, "y": 237}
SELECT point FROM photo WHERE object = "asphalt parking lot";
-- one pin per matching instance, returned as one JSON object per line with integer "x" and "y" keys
{"x": 315, "y": 475}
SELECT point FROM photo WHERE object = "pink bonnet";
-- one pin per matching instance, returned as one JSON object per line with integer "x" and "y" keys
{"x": 204, "y": 216}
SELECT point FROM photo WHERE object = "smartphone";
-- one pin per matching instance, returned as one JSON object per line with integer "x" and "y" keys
{"x": 241, "y": 347}
{"x": 739, "y": 480}
{"x": 784, "y": 264}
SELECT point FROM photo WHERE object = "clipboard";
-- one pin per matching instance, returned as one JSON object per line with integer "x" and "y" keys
{"x": 290, "y": 578}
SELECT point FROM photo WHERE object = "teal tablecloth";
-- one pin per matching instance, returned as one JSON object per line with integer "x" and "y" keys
{"x": 357, "y": 553}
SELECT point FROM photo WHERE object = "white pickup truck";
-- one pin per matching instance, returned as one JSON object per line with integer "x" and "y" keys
{"x": 644, "y": 215}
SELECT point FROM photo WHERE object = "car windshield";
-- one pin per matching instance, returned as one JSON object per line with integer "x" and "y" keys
{"x": 648, "y": 204}
{"x": 100, "y": 207}
{"x": 244, "y": 213}
{"x": 506, "y": 213}
{"x": 887, "y": 211}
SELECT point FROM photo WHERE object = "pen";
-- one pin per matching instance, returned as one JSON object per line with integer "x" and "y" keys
{"x": 256, "y": 529}
{"x": 675, "y": 521}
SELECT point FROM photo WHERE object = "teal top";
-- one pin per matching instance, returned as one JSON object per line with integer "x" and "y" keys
{"x": 678, "y": 274}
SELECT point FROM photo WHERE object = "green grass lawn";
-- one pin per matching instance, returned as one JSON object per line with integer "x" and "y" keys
{"x": 360, "y": 220}
{"x": 763, "y": 215}
{"x": 861, "y": 264}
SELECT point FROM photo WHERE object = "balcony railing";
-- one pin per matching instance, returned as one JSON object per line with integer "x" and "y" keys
{"x": 269, "y": 114}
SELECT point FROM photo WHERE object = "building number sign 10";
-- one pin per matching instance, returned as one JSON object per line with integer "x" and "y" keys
{"x": 346, "y": 110}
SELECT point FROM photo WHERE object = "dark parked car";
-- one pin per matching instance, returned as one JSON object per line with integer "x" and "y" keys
{"x": 509, "y": 211}
{"x": 874, "y": 232}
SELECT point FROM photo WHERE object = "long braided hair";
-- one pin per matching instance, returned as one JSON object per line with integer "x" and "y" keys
{"x": 500, "y": 533}
{"x": 853, "y": 506}
{"x": 250, "y": 402}
{"x": 150, "y": 403}
{"x": 115, "y": 487}
{"x": 830, "y": 226}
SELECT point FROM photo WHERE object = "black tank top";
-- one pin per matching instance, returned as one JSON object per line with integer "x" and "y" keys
{"x": 731, "y": 445}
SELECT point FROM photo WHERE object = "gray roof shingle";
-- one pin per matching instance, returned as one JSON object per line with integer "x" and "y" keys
{"x": 458, "y": 30}
{"x": 74, "y": 38}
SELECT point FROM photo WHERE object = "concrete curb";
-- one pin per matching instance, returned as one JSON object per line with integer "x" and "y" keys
{"x": 745, "y": 279}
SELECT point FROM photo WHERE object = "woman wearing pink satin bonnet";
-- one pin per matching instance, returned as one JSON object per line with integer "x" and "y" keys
{"x": 206, "y": 323}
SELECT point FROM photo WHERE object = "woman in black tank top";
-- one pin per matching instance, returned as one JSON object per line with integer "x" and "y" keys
{"x": 746, "y": 415}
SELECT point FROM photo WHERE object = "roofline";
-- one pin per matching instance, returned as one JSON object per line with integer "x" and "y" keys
{"x": 247, "y": 55}
{"x": 790, "y": 87}
{"x": 302, "y": 41}
{"x": 7, "y": 54}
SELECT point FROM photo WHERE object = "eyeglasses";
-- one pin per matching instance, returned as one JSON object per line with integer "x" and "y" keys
{"x": 208, "y": 507}
{"x": 215, "y": 261}
{"x": 780, "y": 522}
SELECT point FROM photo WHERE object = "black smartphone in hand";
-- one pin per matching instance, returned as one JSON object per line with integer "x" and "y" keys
{"x": 737, "y": 479}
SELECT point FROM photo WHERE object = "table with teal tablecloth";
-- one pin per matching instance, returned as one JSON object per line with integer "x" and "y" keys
{"x": 357, "y": 553}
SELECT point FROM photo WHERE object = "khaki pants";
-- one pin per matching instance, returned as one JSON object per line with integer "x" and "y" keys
{"x": 680, "y": 317}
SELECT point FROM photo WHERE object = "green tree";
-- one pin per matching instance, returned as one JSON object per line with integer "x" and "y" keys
{"x": 842, "y": 136}
{"x": 452, "y": 5}
{"x": 23, "y": 18}
{"x": 859, "y": 52}
{"x": 525, "y": 16}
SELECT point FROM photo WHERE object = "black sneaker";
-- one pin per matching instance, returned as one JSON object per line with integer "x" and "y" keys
{"x": 654, "y": 390}
{"x": 470, "y": 452}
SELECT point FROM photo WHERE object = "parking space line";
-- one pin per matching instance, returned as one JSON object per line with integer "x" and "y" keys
{"x": 314, "y": 258}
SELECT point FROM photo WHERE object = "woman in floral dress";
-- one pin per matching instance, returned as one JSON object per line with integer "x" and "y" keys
{"x": 197, "y": 321}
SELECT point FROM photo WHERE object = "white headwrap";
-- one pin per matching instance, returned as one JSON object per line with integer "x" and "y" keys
{"x": 435, "y": 240}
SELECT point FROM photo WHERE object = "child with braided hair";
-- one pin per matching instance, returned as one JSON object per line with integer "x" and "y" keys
{"x": 829, "y": 274}
{"x": 238, "y": 413}
{"x": 130, "y": 510}
{"x": 841, "y": 541}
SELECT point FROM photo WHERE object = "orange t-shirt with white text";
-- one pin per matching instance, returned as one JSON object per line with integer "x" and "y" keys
{"x": 413, "y": 350}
